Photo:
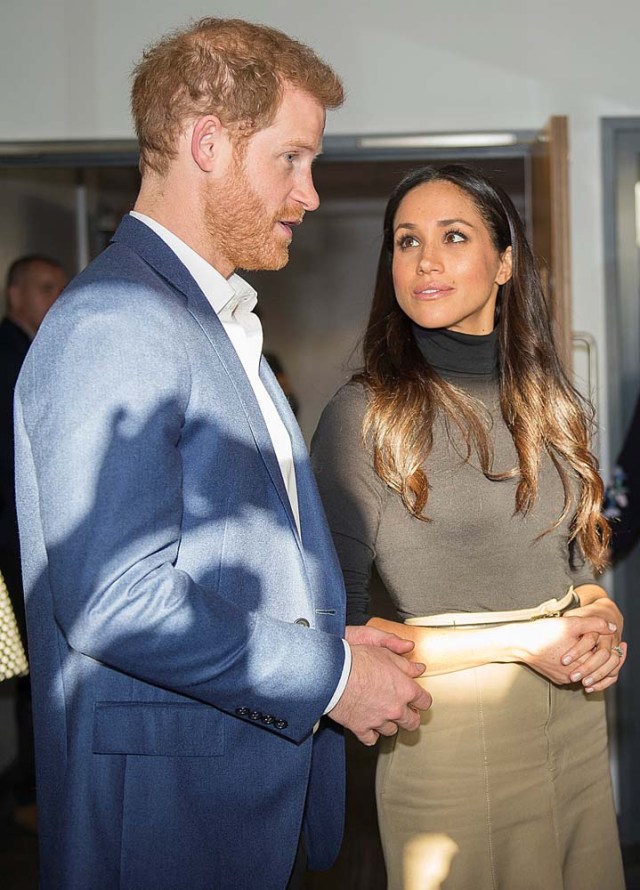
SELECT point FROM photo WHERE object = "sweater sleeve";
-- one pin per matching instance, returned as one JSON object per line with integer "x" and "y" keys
{"x": 580, "y": 568}
{"x": 351, "y": 492}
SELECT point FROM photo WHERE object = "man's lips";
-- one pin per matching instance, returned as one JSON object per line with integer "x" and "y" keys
{"x": 288, "y": 224}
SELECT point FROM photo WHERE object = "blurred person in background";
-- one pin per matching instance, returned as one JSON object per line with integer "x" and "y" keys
{"x": 33, "y": 284}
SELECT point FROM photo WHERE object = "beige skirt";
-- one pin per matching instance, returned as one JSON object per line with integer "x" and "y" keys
{"x": 511, "y": 773}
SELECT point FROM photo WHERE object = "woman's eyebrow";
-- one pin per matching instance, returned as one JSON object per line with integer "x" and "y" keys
{"x": 450, "y": 222}
{"x": 441, "y": 222}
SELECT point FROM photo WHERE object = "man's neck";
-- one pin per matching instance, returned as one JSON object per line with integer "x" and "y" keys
{"x": 180, "y": 210}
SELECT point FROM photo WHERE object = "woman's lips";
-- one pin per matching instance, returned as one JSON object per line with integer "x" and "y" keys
{"x": 432, "y": 292}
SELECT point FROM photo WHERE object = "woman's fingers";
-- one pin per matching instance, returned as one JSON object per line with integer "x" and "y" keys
{"x": 582, "y": 648}
{"x": 606, "y": 675}
{"x": 590, "y": 664}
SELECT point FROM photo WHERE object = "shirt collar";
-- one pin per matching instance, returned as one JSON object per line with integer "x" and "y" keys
{"x": 221, "y": 293}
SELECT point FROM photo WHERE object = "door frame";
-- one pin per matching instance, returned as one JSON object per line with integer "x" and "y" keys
{"x": 620, "y": 153}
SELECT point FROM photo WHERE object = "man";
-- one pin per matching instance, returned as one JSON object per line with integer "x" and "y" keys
{"x": 33, "y": 283}
{"x": 184, "y": 601}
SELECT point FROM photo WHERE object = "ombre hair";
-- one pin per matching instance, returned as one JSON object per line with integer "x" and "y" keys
{"x": 233, "y": 69}
{"x": 540, "y": 407}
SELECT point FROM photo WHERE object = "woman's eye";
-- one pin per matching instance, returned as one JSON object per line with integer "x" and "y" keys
{"x": 454, "y": 237}
{"x": 406, "y": 241}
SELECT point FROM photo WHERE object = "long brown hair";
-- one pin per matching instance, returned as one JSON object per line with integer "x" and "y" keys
{"x": 541, "y": 408}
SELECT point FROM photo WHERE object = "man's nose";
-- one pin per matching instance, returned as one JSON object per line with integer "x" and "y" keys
{"x": 305, "y": 193}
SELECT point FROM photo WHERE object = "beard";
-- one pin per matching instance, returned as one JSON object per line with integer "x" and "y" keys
{"x": 242, "y": 230}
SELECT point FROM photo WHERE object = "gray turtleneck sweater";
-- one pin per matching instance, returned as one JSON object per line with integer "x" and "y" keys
{"x": 476, "y": 553}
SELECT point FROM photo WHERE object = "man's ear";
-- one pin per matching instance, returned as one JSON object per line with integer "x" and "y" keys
{"x": 207, "y": 139}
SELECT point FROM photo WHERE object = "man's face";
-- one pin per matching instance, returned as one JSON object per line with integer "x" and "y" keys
{"x": 31, "y": 297}
{"x": 268, "y": 187}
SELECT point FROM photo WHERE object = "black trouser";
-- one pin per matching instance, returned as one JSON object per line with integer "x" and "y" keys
{"x": 23, "y": 772}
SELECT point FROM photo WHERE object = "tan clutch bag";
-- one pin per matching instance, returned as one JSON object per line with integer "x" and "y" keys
{"x": 13, "y": 661}
{"x": 549, "y": 609}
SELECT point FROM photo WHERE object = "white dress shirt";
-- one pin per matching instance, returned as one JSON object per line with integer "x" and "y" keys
{"x": 233, "y": 301}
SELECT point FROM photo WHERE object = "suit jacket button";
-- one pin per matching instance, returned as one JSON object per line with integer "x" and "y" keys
{"x": 280, "y": 724}
{"x": 302, "y": 622}
{"x": 268, "y": 719}
{"x": 255, "y": 715}
{"x": 242, "y": 712}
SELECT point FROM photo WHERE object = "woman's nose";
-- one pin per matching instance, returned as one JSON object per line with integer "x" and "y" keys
{"x": 430, "y": 261}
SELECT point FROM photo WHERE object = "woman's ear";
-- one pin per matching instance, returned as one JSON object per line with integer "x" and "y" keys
{"x": 506, "y": 266}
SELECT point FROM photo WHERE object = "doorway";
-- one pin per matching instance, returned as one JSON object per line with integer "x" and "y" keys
{"x": 621, "y": 178}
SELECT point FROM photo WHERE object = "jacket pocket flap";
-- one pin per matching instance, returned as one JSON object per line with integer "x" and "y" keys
{"x": 156, "y": 728}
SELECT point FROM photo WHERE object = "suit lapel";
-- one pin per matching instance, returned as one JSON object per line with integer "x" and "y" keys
{"x": 305, "y": 481}
{"x": 144, "y": 241}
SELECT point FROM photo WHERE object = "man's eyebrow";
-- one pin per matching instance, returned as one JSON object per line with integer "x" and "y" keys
{"x": 305, "y": 146}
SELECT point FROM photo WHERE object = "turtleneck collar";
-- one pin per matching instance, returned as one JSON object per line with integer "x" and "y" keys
{"x": 451, "y": 352}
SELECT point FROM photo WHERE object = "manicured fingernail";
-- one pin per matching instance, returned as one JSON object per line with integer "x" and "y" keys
{"x": 612, "y": 627}
{"x": 567, "y": 659}
{"x": 589, "y": 689}
{"x": 575, "y": 677}
{"x": 588, "y": 681}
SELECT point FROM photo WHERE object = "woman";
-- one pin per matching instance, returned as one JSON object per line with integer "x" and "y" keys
{"x": 457, "y": 460}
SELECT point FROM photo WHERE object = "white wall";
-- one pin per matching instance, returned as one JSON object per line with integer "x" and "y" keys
{"x": 414, "y": 65}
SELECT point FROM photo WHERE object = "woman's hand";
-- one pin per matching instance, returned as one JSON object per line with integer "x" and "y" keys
{"x": 545, "y": 644}
{"x": 599, "y": 668}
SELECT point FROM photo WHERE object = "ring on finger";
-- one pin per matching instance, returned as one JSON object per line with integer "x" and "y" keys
{"x": 619, "y": 651}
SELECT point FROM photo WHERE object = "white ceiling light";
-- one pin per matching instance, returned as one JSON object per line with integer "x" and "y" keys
{"x": 439, "y": 140}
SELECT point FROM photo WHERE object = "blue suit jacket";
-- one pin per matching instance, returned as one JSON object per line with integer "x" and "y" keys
{"x": 174, "y": 694}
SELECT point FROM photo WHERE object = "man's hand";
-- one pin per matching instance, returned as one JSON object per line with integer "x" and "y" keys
{"x": 545, "y": 643}
{"x": 365, "y": 635}
{"x": 381, "y": 694}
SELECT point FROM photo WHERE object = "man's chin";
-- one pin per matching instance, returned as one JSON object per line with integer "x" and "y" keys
{"x": 276, "y": 260}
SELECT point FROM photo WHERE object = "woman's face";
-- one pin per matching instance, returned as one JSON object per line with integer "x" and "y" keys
{"x": 446, "y": 270}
